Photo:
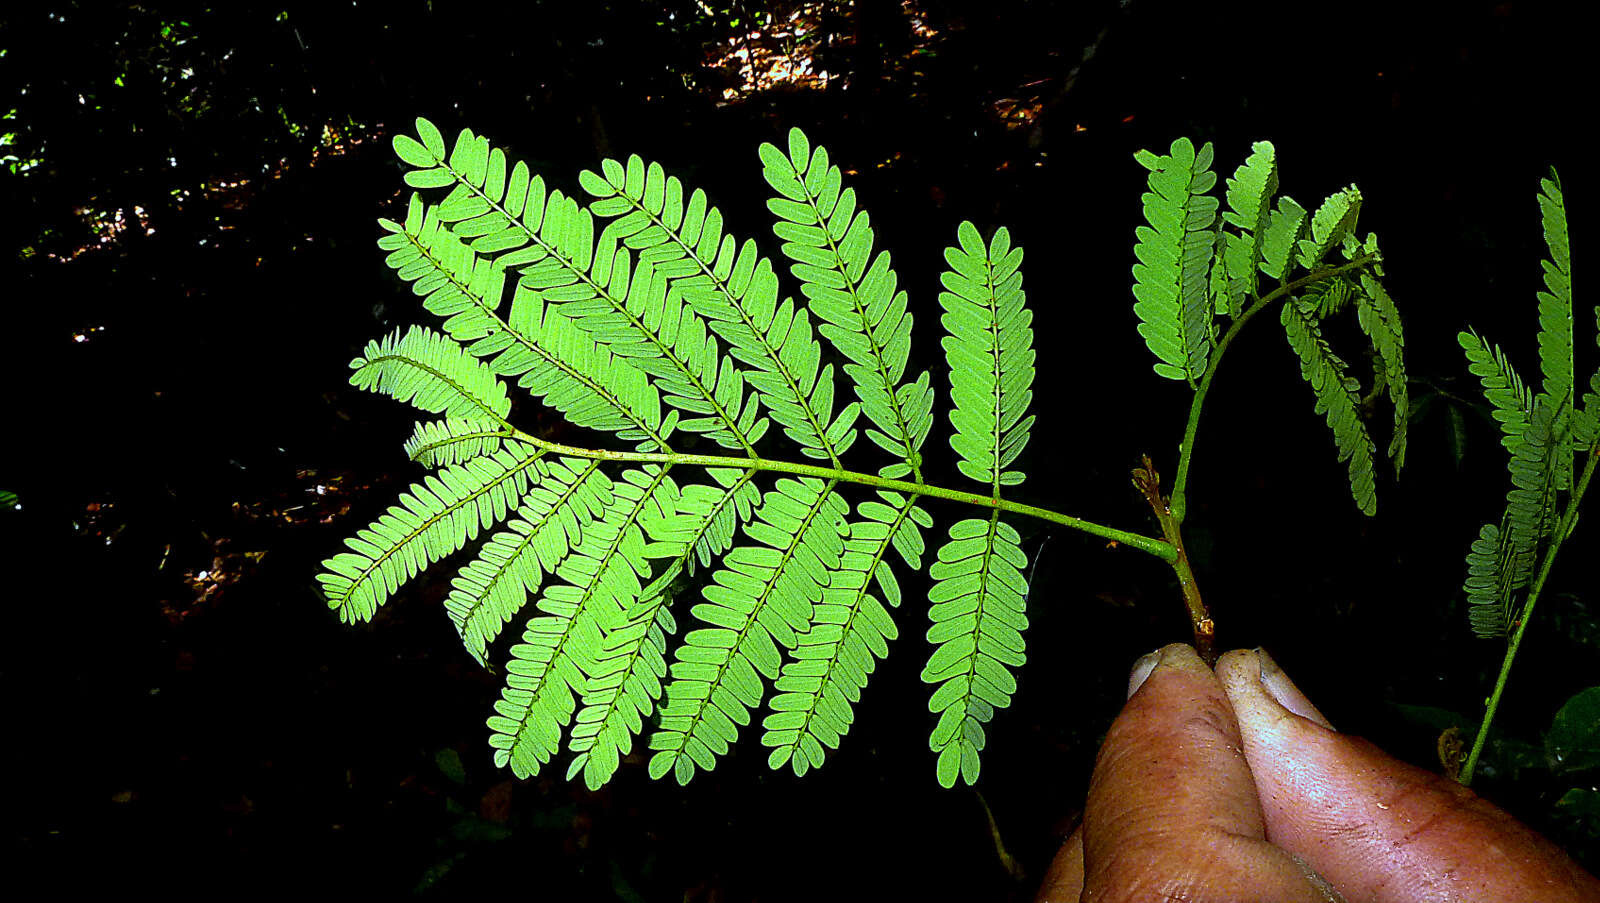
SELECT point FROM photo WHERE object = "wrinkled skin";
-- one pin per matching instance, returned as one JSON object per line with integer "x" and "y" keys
{"x": 1229, "y": 785}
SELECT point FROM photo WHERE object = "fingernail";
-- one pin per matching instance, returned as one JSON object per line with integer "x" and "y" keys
{"x": 1141, "y": 670}
{"x": 1281, "y": 688}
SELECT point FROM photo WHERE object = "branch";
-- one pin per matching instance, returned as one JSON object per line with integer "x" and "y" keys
{"x": 1157, "y": 547}
{"x": 1180, "y": 483}
{"x": 1568, "y": 521}
{"x": 1148, "y": 482}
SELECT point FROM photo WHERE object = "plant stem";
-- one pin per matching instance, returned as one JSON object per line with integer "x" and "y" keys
{"x": 1149, "y": 544}
{"x": 1148, "y": 482}
{"x": 1568, "y": 520}
{"x": 1180, "y": 482}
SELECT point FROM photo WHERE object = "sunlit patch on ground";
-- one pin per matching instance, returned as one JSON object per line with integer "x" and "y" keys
{"x": 782, "y": 52}
{"x": 207, "y": 584}
{"x": 109, "y": 227}
{"x": 316, "y": 498}
{"x": 100, "y": 522}
{"x": 1023, "y": 110}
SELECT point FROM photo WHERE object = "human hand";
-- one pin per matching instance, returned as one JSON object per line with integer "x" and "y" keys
{"x": 1229, "y": 785}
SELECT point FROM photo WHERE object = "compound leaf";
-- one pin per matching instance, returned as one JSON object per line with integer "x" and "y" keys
{"x": 979, "y": 596}
{"x": 1174, "y": 252}
{"x": 1338, "y": 399}
{"x": 849, "y": 632}
{"x": 435, "y": 517}
{"x": 760, "y": 599}
{"x": 433, "y": 373}
{"x": 989, "y": 346}
{"x": 853, "y": 293}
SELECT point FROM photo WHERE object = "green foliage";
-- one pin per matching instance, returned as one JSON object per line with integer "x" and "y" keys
{"x": 760, "y": 601}
{"x": 989, "y": 347}
{"x": 978, "y": 599}
{"x": 566, "y": 500}
{"x": 639, "y": 302}
{"x": 1510, "y": 401}
{"x": 979, "y": 592}
{"x": 1334, "y": 220}
{"x": 1338, "y": 399}
{"x": 1573, "y": 742}
{"x": 1555, "y": 317}
{"x": 638, "y": 314}
{"x": 440, "y": 442}
{"x": 431, "y": 372}
{"x": 1193, "y": 269}
{"x": 1542, "y": 430}
{"x": 533, "y": 341}
{"x": 1174, "y": 254}
{"x": 1249, "y": 194}
{"x": 850, "y": 630}
{"x": 852, "y": 292}
{"x": 435, "y": 517}
{"x": 1380, "y": 320}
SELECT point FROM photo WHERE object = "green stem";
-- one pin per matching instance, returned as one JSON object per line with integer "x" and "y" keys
{"x": 1180, "y": 481}
{"x": 1568, "y": 521}
{"x": 1149, "y": 544}
{"x": 1166, "y": 549}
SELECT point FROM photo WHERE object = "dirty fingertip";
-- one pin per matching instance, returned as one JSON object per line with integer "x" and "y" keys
{"x": 1282, "y": 689}
{"x": 1142, "y": 666}
{"x": 1255, "y": 675}
{"x": 1177, "y": 655}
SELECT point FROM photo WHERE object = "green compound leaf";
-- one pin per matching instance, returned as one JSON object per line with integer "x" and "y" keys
{"x": 979, "y": 596}
{"x": 433, "y": 373}
{"x": 849, "y": 632}
{"x": 1332, "y": 222}
{"x": 1510, "y": 401}
{"x": 1338, "y": 399}
{"x": 1555, "y": 317}
{"x": 1541, "y": 430}
{"x": 1249, "y": 195}
{"x": 565, "y": 498}
{"x": 854, "y": 294}
{"x": 436, "y": 517}
{"x": 437, "y": 443}
{"x": 566, "y": 647}
{"x": 1380, "y": 320}
{"x": 761, "y": 599}
{"x": 733, "y": 288}
{"x": 1174, "y": 252}
{"x": 637, "y": 314}
{"x": 989, "y": 347}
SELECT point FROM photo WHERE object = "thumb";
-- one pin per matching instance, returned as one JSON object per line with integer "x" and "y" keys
{"x": 1379, "y": 829}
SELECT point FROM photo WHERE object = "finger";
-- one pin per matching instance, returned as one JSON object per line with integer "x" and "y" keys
{"x": 1380, "y": 829}
{"x": 1064, "y": 882}
{"x": 1172, "y": 810}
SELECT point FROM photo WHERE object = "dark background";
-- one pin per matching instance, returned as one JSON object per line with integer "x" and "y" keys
{"x": 185, "y": 713}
